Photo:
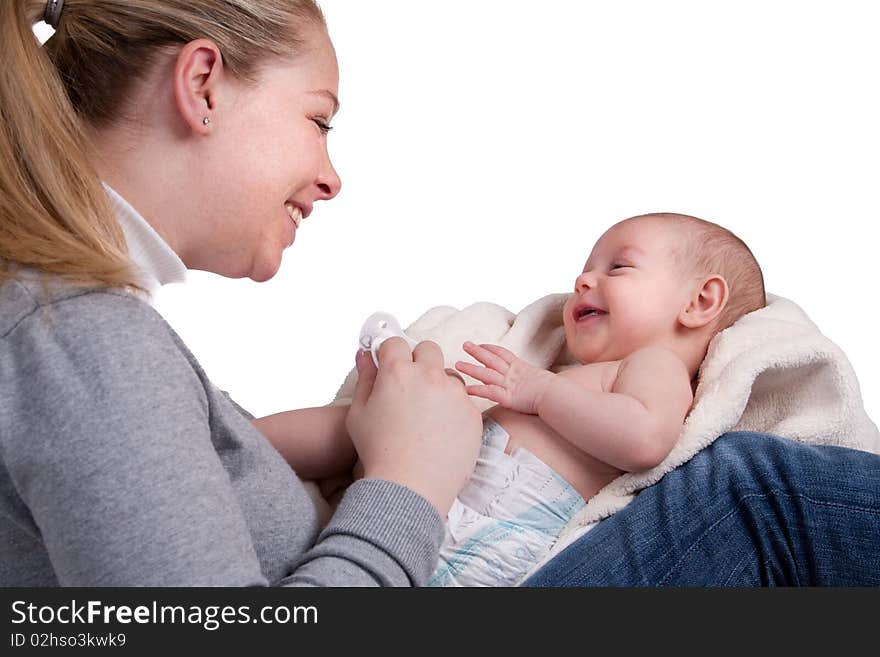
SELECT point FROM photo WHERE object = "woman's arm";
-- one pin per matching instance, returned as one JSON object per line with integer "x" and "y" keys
{"x": 137, "y": 472}
{"x": 110, "y": 446}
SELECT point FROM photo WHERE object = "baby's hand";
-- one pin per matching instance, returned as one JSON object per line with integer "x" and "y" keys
{"x": 510, "y": 381}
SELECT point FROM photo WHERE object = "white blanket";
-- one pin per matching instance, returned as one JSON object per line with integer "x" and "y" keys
{"x": 772, "y": 371}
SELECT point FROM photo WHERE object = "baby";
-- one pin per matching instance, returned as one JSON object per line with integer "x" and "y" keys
{"x": 654, "y": 291}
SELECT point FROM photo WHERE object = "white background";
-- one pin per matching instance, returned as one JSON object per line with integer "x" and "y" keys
{"x": 484, "y": 145}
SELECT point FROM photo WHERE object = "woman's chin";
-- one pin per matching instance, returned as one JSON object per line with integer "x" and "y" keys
{"x": 264, "y": 269}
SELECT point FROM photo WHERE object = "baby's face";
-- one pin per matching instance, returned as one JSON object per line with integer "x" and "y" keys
{"x": 629, "y": 295}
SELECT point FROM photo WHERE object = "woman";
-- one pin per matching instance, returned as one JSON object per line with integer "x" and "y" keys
{"x": 206, "y": 122}
{"x": 123, "y": 464}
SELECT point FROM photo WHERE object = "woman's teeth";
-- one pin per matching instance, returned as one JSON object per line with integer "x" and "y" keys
{"x": 294, "y": 213}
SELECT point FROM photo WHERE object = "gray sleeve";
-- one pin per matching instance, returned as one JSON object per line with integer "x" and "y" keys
{"x": 119, "y": 472}
{"x": 117, "y": 466}
{"x": 380, "y": 535}
{"x": 246, "y": 413}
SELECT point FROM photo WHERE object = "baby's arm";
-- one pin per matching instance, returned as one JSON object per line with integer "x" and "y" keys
{"x": 313, "y": 441}
{"x": 636, "y": 425}
{"x": 632, "y": 428}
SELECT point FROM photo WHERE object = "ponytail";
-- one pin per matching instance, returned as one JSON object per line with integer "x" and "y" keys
{"x": 55, "y": 216}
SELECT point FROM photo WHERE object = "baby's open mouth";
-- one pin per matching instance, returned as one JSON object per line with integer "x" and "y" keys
{"x": 587, "y": 311}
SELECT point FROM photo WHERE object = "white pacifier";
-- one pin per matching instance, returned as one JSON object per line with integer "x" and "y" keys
{"x": 378, "y": 328}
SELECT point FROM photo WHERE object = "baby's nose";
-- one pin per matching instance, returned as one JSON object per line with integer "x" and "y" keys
{"x": 584, "y": 282}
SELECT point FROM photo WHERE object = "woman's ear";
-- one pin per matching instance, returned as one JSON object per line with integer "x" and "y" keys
{"x": 197, "y": 74}
{"x": 708, "y": 300}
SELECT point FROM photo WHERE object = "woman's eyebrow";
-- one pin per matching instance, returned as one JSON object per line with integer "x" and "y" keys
{"x": 328, "y": 94}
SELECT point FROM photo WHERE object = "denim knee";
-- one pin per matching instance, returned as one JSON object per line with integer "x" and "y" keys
{"x": 751, "y": 509}
{"x": 763, "y": 462}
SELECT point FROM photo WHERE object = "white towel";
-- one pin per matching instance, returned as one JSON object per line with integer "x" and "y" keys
{"x": 772, "y": 371}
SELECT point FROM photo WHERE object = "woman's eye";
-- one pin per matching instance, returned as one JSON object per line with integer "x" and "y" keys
{"x": 325, "y": 128}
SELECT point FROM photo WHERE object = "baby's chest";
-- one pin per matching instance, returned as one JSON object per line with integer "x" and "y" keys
{"x": 584, "y": 472}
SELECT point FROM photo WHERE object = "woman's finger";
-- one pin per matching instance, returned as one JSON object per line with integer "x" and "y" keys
{"x": 428, "y": 353}
{"x": 488, "y": 358}
{"x": 366, "y": 377}
{"x": 393, "y": 349}
{"x": 455, "y": 375}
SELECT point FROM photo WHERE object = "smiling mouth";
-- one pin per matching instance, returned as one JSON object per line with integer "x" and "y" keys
{"x": 585, "y": 313}
{"x": 294, "y": 213}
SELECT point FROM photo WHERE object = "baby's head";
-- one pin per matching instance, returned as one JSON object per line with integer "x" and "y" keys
{"x": 660, "y": 279}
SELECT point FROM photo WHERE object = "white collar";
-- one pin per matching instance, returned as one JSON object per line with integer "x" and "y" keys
{"x": 156, "y": 262}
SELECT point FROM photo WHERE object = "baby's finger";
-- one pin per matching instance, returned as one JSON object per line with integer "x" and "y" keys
{"x": 486, "y": 392}
{"x": 505, "y": 354}
{"x": 486, "y": 357}
{"x": 483, "y": 374}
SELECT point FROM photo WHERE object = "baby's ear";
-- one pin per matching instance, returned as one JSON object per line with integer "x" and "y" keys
{"x": 707, "y": 301}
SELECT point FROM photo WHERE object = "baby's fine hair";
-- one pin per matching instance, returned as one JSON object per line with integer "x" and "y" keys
{"x": 55, "y": 217}
{"x": 708, "y": 248}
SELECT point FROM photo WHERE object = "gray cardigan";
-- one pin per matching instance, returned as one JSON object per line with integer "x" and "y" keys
{"x": 121, "y": 464}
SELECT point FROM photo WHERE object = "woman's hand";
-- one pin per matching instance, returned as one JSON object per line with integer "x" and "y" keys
{"x": 509, "y": 381}
{"x": 413, "y": 424}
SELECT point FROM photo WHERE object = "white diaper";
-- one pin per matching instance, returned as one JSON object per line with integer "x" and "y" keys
{"x": 507, "y": 517}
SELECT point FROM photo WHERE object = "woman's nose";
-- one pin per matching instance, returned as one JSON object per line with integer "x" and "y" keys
{"x": 328, "y": 183}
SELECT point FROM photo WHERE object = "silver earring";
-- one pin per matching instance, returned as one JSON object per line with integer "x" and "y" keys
{"x": 206, "y": 120}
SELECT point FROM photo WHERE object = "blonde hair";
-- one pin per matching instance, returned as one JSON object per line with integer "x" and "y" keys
{"x": 708, "y": 248}
{"x": 55, "y": 216}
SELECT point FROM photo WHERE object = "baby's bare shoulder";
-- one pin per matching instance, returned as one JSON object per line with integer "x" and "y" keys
{"x": 595, "y": 376}
{"x": 653, "y": 362}
{"x": 659, "y": 379}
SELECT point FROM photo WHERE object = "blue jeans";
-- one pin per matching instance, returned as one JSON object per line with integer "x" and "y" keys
{"x": 749, "y": 510}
